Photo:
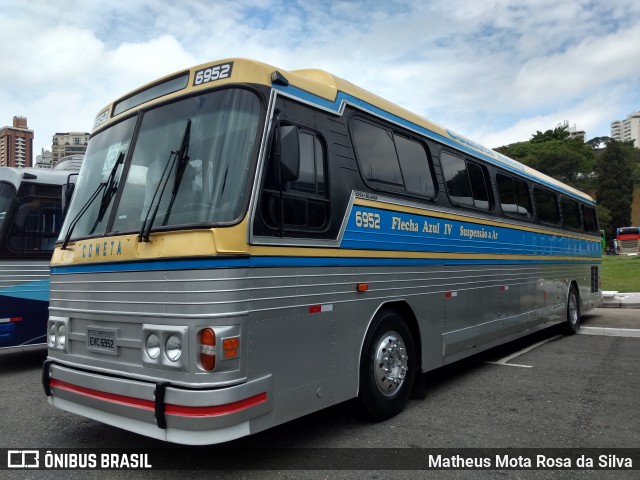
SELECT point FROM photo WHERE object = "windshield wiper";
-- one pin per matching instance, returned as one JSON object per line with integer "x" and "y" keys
{"x": 181, "y": 158}
{"x": 109, "y": 186}
{"x": 109, "y": 191}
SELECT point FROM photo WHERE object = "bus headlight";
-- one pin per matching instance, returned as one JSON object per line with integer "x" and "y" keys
{"x": 52, "y": 335}
{"x": 57, "y": 331}
{"x": 173, "y": 348}
{"x": 165, "y": 346}
{"x": 152, "y": 346}
{"x": 62, "y": 335}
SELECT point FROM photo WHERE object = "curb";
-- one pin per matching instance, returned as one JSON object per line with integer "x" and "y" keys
{"x": 611, "y": 332}
{"x": 620, "y": 300}
{"x": 619, "y": 305}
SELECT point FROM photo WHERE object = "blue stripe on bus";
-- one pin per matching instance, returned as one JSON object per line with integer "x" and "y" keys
{"x": 36, "y": 290}
{"x": 289, "y": 261}
{"x": 502, "y": 162}
{"x": 377, "y": 229}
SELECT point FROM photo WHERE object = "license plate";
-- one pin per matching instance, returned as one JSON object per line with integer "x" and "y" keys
{"x": 102, "y": 341}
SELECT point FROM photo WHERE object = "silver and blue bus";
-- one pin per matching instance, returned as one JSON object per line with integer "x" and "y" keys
{"x": 247, "y": 245}
{"x": 31, "y": 216}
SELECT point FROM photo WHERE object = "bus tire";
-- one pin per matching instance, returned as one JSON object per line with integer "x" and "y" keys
{"x": 387, "y": 366}
{"x": 572, "y": 323}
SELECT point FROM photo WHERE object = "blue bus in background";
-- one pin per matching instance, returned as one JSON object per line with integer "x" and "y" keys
{"x": 31, "y": 215}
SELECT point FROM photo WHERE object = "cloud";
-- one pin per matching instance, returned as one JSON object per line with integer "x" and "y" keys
{"x": 495, "y": 70}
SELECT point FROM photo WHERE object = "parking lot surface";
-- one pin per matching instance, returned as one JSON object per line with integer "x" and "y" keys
{"x": 544, "y": 391}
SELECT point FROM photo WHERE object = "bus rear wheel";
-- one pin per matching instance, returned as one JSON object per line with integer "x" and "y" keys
{"x": 572, "y": 323}
{"x": 387, "y": 366}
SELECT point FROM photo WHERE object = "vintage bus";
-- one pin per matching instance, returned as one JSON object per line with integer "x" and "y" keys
{"x": 628, "y": 240}
{"x": 31, "y": 216}
{"x": 247, "y": 245}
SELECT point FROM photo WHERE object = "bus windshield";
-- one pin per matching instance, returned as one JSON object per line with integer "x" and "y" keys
{"x": 207, "y": 185}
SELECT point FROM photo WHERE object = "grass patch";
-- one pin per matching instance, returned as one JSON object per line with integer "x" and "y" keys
{"x": 621, "y": 273}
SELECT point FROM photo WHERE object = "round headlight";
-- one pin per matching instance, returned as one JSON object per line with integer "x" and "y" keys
{"x": 173, "y": 348}
{"x": 152, "y": 346}
{"x": 62, "y": 335}
{"x": 52, "y": 334}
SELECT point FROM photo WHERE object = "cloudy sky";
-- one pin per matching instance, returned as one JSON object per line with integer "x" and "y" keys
{"x": 493, "y": 70}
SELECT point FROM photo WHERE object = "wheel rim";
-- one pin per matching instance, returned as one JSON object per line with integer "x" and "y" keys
{"x": 390, "y": 368}
{"x": 573, "y": 309}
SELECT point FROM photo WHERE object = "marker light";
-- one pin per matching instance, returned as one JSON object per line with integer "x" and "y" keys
{"x": 173, "y": 348}
{"x": 230, "y": 347}
{"x": 207, "y": 349}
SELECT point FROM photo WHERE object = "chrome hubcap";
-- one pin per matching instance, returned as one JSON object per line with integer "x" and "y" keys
{"x": 573, "y": 309}
{"x": 391, "y": 361}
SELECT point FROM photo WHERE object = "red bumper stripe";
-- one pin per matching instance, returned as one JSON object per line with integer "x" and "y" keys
{"x": 215, "y": 410}
{"x": 177, "y": 410}
{"x": 104, "y": 396}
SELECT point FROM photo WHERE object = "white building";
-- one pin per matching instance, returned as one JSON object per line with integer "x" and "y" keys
{"x": 628, "y": 129}
{"x": 70, "y": 143}
{"x": 44, "y": 160}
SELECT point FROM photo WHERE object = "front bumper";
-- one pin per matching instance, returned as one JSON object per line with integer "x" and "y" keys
{"x": 159, "y": 410}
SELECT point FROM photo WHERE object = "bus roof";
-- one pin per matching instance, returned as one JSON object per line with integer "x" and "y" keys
{"x": 331, "y": 93}
{"x": 16, "y": 176}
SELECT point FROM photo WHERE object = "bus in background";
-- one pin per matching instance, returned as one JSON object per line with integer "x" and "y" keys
{"x": 628, "y": 240}
{"x": 247, "y": 245}
{"x": 31, "y": 215}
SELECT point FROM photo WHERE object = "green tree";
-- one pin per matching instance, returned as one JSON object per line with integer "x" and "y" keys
{"x": 604, "y": 221}
{"x": 614, "y": 185}
{"x": 561, "y": 132}
{"x": 555, "y": 154}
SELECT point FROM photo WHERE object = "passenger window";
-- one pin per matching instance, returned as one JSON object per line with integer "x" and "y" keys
{"x": 590, "y": 219}
{"x": 376, "y": 154}
{"x": 304, "y": 203}
{"x": 546, "y": 206}
{"x": 466, "y": 182}
{"x": 392, "y": 162}
{"x": 570, "y": 213}
{"x": 415, "y": 167}
{"x": 514, "y": 196}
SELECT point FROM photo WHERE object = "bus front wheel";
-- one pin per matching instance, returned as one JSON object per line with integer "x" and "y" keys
{"x": 387, "y": 366}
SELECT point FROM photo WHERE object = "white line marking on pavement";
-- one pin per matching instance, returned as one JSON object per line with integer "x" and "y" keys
{"x": 503, "y": 361}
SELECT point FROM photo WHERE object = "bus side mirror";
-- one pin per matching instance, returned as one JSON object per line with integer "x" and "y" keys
{"x": 67, "y": 192}
{"x": 289, "y": 153}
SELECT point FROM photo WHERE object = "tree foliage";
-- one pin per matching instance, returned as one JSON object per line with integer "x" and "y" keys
{"x": 555, "y": 154}
{"x": 614, "y": 185}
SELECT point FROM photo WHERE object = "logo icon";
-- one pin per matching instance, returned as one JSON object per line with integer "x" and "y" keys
{"x": 23, "y": 459}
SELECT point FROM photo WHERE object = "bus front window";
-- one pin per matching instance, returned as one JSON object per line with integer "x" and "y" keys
{"x": 212, "y": 181}
{"x": 220, "y": 131}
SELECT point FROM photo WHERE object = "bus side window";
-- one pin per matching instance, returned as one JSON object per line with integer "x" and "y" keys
{"x": 546, "y": 206}
{"x": 514, "y": 196}
{"x": 570, "y": 213}
{"x": 305, "y": 200}
{"x": 590, "y": 219}
{"x": 467, "y": 182}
